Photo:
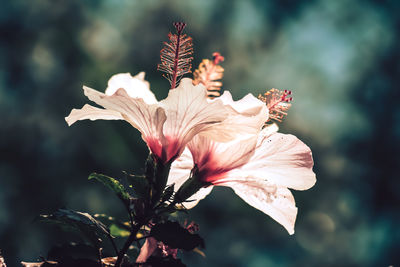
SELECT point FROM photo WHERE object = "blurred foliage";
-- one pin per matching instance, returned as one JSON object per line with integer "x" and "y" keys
{"x": 340, "y": 59}
{"x": 174, "y": 235}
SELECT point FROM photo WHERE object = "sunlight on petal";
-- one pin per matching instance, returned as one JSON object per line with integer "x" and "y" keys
{"x": 148, "y": 119}
{"x": 277, "y": 202}
{"x": 215, "y": 159}
{"x": 189, "y": 113}
{"x": 281, "y": 159}
{"x": 246, "y": 116}
{"x": 88, "y": 112}
{"x": 135, "y": 86}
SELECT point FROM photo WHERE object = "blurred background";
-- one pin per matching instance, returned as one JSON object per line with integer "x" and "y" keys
{"x": 340, "y": 59}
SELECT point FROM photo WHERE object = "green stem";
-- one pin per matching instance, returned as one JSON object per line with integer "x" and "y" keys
{"x": 113, "y": 244}
{"x": 161, "y": 178}
{"x": 127, "y": 244}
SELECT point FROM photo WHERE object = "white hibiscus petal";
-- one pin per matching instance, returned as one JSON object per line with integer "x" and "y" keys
{"x": 269, "y": 129}
{"x": 199, "y": 195}
{"x": 281, "y": 159}
{"x": 277, "y": 202}
{"x": 180, "y": 169}
{"x": 148, "y": 119}
{"x": 246, "y": 116}
{"x": 135, "y": 86}
{"x": 214, "y": 159}
{"x": 236, "y": 153}
{"x": 248, "y": 105}
{"x": 88, "y": 112}
{"x": 189, "y": 113}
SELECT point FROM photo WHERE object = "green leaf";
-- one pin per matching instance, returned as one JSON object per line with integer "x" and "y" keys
{"x": 189, "y": 188}
{"x": 174, "y": 235}
{"x": 139, "y": 185}
{"x": 117, "y": 231}
{"x": 108, "y": 220}
{"x": 112, "y": 184}
{"x": 78, "y": 221}
{"x": 149, "y": 169}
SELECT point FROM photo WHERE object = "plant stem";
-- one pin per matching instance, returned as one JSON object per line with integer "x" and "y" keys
{"x": 127, "y": 244}
{"x": 113, "y": 244}
{"x": 131, "y": 218}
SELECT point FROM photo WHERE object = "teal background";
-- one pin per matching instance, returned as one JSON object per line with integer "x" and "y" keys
{"x": 340, "y": 59}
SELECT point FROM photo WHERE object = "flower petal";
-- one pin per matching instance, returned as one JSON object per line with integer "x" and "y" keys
{"x": 180, "y": 172}
{"x": 148, "y": 119}
{"x": 281, "y": 159}
{"x": 277, "y": 202}
{"x": 180, "y": 169}
{"x": 214, "y": 159}
{"x": 248, "y": 105}
{"x": 246, "y": 116}
{"x": 199, "y": 195}
{"x": 147, "y": 249}
{"x": 136, "y": 86}
{"x": 188, "y": 113}
{"x": 88, "y": 112}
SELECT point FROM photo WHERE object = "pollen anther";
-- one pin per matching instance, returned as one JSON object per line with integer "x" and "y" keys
{"x": 278, "y": 104}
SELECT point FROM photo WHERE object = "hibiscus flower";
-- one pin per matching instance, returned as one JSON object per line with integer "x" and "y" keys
{"x": 167, "y": 125}
{"x": 259, "y": 168}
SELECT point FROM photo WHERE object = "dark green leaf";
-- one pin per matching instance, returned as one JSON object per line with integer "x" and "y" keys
{"x": 139, "y": 185}
{"x": 150, "y": 169}
{"x": 174, "y": 235}
{"x": 112, "y": 184}
{"x": 189, "y": 188}
{"x": 78, "y": 221}
{"x": 110, "y": 221}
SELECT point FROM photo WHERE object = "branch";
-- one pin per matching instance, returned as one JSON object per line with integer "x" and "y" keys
{"x": 127, "y": 244}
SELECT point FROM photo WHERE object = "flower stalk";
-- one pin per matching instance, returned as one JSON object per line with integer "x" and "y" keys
{"x": 127, "y": 244}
